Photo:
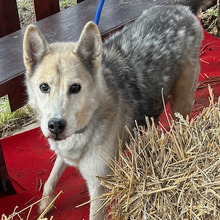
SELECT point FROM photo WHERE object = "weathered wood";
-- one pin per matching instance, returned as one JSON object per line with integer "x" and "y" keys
{"x": 17, "y": 95}
{"x": 46, "y": 8}
{"x": 9, "y": 19}
{"x": 218, "y": 22}
{"x": 5, "y": 183}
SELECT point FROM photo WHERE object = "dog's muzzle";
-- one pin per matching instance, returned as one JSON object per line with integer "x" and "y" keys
{"x": 56, "y": 126}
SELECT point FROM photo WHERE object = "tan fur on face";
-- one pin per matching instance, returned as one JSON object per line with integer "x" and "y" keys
{"x": 60, "y": 69}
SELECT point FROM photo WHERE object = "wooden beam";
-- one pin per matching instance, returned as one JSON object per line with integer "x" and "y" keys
{"x": 218, "y": 22}
{"x": 46, "y": 8}
{"x": 5, "y": 183}
{"x": 17, "y": 87}
{"x": 9, "y": 19}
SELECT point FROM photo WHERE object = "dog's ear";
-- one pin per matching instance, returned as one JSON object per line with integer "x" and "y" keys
{"x": 89, "y": 45}
{"x": 34, "y": 47}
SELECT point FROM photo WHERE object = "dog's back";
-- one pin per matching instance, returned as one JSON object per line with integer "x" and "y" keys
{"x": 149, "y": 56}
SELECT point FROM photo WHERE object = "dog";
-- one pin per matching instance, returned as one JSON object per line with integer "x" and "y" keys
{"x": 86, "y": 92}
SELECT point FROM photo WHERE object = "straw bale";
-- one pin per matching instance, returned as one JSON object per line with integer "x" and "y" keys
{"x": 168, "y": 175}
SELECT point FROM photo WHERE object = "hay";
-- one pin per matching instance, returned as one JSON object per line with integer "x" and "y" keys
{"x": 171, "y": 174}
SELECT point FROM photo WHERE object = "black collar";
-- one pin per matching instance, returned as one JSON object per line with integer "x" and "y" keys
{"x": 81, "y": 130}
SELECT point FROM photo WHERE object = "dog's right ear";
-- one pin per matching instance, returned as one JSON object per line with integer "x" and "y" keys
{"x": 34, "y": 47}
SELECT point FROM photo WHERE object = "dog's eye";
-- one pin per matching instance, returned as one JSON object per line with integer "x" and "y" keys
{"x": 75, "y": 88}
{"x": 45, "y": 88}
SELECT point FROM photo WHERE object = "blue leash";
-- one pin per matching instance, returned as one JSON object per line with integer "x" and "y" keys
{"x": 98, "y": 11}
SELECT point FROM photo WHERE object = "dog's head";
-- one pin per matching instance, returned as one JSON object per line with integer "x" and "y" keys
{"x": 61, "y": 80}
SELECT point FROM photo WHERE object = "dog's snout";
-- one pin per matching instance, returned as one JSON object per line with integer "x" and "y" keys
{"x": 56, "y": 126}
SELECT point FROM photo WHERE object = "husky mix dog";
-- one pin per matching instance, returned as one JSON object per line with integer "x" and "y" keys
{"x": 86, "y": 92}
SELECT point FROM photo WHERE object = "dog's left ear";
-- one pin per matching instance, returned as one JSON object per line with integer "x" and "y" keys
{"x": 89, "y": 46}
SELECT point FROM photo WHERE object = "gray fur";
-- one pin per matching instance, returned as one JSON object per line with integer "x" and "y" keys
{"x": 148, "y": 55}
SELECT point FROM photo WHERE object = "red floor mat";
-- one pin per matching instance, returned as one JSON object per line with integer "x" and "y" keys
{"x": 29, "y": 163}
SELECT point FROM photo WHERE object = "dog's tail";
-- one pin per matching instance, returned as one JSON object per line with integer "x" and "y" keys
{"x": 194, "y": 5}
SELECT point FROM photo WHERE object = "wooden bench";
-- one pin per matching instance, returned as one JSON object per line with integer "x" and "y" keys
{"x": 56, "y": 26}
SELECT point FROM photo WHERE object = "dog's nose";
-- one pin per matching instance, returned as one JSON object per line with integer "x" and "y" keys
{"x": 56, "y": 126}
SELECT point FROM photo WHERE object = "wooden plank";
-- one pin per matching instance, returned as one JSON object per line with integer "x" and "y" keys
{"x": 5, "y": 183}
{"x": 17, "y": 95}
{"x": 64, "y": 26}
{"x": 46, "y": 8}
{"x": 16, "y": 91}
{"x": 9, "y": 19}
{"x": 218, "y": 22}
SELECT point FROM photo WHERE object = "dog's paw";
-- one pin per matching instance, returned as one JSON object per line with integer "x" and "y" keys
{"x": 45, "y": 203}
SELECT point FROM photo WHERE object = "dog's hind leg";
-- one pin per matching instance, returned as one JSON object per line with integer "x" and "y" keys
{"x": 49, "y": 186}
{"x": 182, "y": 97}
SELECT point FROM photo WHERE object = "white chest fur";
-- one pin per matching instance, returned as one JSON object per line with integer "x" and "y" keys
{"x": 71, "y": 149}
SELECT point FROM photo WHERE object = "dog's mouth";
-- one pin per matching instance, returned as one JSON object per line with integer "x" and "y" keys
{"x": 56, "y": 137}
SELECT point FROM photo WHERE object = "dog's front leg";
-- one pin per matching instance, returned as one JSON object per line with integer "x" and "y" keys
{"x": 95, "y": 191}
{"x": 49, "y": 186}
